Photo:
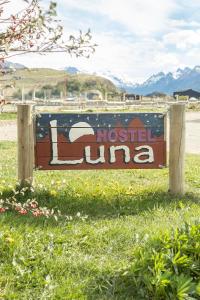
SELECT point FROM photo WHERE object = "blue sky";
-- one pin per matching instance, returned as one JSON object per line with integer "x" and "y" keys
{"x": 135, "y": 38}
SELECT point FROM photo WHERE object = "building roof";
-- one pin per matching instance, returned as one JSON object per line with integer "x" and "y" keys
{"x": 189, "y": 92}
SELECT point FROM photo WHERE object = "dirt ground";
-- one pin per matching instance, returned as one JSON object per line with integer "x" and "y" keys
{"x": 193, "y": 132}
{"x": 8, "y": 132}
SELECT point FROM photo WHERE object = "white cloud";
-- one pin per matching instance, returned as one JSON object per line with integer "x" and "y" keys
{"x": 141, "y": 17}
{"x": 176, "y": 24}
{"x": 167, "y": 61}
{"x": 137, "y": 60}
{"x": 10, "y": 7}
{"x": 134, "y": 45}
{"x": 183, "y": 39}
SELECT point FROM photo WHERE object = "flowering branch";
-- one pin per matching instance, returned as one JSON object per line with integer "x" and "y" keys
{"x": 34, "y": 30}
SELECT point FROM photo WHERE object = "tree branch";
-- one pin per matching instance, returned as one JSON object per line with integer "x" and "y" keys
{"x": 34, "y": 30}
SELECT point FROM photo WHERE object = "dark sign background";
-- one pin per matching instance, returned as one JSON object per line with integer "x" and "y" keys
{"x": 82, "y": 139}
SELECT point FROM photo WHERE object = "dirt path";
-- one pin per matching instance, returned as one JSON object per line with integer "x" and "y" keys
{"x": 193, "y": 132}
{"x": 8, "y": 132}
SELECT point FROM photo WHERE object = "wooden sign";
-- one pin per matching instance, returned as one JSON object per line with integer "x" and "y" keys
{"x": 100, "y": 141}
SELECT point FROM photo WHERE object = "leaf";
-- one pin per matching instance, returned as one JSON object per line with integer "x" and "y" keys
{"x": 184, "y": 286}
{"x": 198, "y": 289}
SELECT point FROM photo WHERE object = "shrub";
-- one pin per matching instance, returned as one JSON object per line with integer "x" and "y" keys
{"x": 167, "y": 267}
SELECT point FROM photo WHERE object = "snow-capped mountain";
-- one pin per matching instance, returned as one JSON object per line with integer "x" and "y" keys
{"x": 181, "y": 79}
{"x": 154, "y": 78}
{"x": 119, "y": 81}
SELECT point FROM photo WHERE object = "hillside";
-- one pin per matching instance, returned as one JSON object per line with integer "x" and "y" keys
{"x": 73, "y": 80}
{"x": 38, "y": 78}
{"x": 29, "y": 78}
{"x": 87, "y": 82}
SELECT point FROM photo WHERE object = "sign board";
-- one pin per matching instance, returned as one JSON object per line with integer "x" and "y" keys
{"x": 100, "y": 141}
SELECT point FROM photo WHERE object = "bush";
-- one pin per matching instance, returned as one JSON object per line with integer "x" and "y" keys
{"x": 167, "y": 267}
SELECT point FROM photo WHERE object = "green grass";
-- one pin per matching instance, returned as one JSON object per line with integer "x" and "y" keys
{"x": 109, "y": 216}
{"x": 32, "y": 77}
{"x": 8, "y": 116}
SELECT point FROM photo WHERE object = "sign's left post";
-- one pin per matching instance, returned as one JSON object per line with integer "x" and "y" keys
{"x": 25, "y": 143}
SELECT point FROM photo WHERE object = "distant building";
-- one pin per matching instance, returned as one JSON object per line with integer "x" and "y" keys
{"x": 94, "y": 95}
{"x": 188, "y": 93}
{"x": 131, "y": 97}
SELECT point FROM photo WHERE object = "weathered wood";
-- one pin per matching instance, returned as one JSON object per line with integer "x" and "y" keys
{"x": 177, "y": 149}
{"x": 166, "y": 136}
{"x": 25, "y": 144}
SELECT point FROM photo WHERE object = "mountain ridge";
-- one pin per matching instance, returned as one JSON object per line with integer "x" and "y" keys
{"x": 181, "y": 79}
{"x": 161, "y": 82}
{"x": 168, "y": 83}
{"x": 11, "y": 65}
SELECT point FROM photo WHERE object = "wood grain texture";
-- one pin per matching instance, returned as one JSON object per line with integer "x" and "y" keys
{"x": 177, "y": 149}
{"x": 25, "y": 145}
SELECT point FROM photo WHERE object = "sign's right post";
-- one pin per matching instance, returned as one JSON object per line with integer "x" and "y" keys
{"x": 177, "y": 149}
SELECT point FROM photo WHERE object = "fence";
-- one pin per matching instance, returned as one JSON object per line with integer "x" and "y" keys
{"x": 98, "y": 104}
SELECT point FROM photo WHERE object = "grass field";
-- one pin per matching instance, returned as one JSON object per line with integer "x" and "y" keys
{"x": 108, "y": 216}
{"x": 8, "y": 116}
{"x": 29, "y": 78}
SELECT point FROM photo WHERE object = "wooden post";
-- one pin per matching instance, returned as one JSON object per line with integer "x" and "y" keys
{"x": 23, "y": 95}
{"x": 177, "y": 149}
{"x": 106, "y": 96}
{"x": 25, "y": 145}
{"x": 33, "y": 94}
{"x": 61, "y": 95}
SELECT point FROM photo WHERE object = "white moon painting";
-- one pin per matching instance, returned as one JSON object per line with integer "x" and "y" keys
{"x": 78, "y": 130}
